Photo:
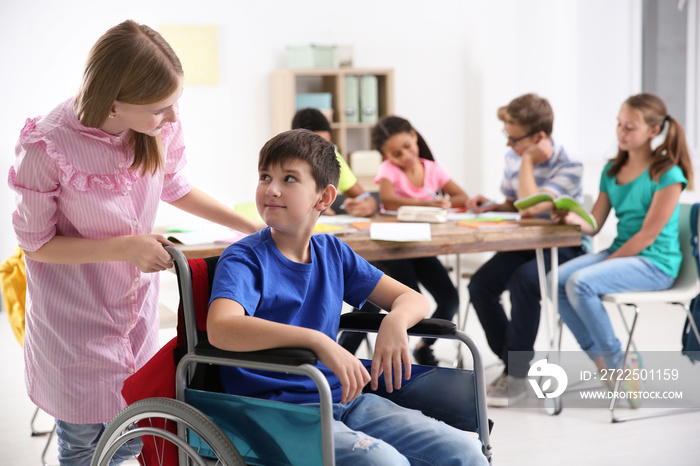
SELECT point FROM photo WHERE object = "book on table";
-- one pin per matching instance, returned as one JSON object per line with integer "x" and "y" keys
{"x": 561, "y": 202}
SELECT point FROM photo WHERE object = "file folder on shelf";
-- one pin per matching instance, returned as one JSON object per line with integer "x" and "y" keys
{"x": 352, "y": 99}
{"x": 369, "y": 101}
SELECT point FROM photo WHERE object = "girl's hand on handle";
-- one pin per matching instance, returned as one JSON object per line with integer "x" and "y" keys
{"x": 147, "y": 252}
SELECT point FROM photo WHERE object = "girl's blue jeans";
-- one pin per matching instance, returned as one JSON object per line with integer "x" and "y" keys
{"x": 584, "y": 279}
{"x": 77, "y": 443}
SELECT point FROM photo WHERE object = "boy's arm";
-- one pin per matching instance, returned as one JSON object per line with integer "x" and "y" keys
{"x": 480, "y": 204}
{"x": 527, "y": 185}
{"x": 406, "y": 308}
{"x": 229, "y": 328}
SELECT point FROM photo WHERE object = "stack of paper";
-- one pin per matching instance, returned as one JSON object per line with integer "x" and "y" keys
{"x": 383, "y": 231}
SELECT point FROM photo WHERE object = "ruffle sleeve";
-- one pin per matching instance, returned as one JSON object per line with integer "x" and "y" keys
{"x": 36, "y": 183}
{"x": 70, "y": 175}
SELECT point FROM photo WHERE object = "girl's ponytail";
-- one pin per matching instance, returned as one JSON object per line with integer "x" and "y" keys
{"x": 423, "y": 149}
{"x": 673, "y": 150}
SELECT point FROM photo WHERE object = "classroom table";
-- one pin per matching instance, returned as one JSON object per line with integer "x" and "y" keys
{"x": 450, "y": 238}
{"x": 446, "y": 238}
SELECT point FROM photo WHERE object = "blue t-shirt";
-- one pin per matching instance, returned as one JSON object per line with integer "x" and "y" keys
{"x": 631, "y": 202}
{"x": 254, "y": 273}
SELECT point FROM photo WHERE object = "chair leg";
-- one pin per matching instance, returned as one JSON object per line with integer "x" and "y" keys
{"x": 630, "y": 330}
{"x": 655, "y": 413}
{"x": 691, "y": 319}
{"x": 49, "y": 441}
{"x": 39, "y": 433}
{"x": 35, "y": 432}
{"x": 624, "y": 322}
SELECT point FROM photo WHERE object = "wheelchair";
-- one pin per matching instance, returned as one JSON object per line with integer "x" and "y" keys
{"x": 178, "y": 413}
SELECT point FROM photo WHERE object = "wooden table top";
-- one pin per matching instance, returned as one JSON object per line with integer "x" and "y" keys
{"x": 446, "y": 238}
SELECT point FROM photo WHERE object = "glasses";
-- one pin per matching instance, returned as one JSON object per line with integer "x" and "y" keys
{"x": 514, "y": 141}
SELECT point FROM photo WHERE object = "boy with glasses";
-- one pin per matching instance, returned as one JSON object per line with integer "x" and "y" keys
{"x": 534, "y": 163}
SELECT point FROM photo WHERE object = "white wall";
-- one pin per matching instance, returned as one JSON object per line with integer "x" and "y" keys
{"x": 455, "y": 61}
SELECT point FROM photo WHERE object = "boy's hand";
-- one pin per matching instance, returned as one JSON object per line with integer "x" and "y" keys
{"x": 539, "y": 152}
{"x": 391, "y": 350}
{"x": 361, "y": 207}
{"x": 352, "y": 374}
{"x": 479, "y": 204}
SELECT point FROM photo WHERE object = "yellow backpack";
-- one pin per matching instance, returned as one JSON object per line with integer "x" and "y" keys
{"x": 13, "y": 282}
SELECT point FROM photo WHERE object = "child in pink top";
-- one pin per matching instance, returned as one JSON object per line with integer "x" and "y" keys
{"x": 409, "y": 176}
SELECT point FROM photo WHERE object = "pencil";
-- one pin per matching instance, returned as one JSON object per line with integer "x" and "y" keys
{"x": 485, "y": 204}
{"x": 358, "y": 198}
{"x": 435, "y": 196}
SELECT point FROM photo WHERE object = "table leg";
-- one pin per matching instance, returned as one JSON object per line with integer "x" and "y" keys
{"x": 550, "y": 308}
{"x": 549, "y": 297}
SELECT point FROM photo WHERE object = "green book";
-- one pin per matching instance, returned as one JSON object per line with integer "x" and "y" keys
{"x": 562, "y": 202}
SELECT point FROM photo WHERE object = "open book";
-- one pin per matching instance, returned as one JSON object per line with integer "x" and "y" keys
{"x": 562, "y": 202}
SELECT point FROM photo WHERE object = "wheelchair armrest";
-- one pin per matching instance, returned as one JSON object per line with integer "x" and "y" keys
{"x": 370, "y": 322}
{"x": 285, "y": 356}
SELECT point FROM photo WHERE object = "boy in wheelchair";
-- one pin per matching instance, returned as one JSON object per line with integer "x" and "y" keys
{"x": 283, "y": 287}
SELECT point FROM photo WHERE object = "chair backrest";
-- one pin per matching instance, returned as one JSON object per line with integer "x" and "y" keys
{"x": 688, "y": 275}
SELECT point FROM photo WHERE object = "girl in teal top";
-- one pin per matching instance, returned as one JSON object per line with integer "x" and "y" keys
{"x": 643, "y": 185}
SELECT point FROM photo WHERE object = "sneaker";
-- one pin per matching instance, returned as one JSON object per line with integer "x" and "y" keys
{"x": 504, "y": 390}
{"x": 424, "y": 356}
{"x": 629, "y": 384}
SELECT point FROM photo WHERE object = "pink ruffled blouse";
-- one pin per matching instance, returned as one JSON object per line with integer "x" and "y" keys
{"x": 88, "y": 326}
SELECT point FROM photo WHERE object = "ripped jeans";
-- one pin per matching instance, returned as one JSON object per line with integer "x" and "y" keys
{"x": 372, "y": 430}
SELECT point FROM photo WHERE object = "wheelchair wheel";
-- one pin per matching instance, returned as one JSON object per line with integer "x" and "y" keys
{"x": 157, "y": 414}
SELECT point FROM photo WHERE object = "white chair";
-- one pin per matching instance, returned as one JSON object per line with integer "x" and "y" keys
{"x": 683, "y": 290}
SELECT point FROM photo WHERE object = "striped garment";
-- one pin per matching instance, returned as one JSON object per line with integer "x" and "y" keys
{"x": 560, "y": 175}
{"x": 88, "y": 326}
